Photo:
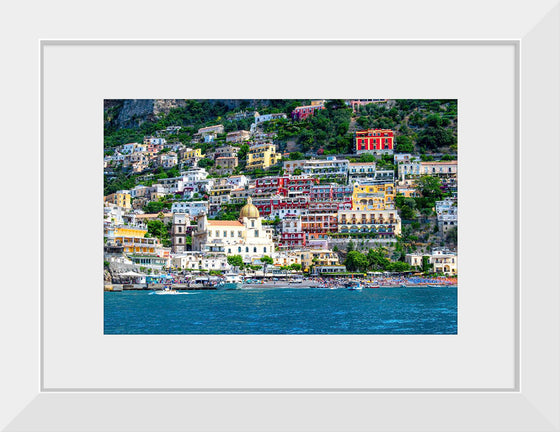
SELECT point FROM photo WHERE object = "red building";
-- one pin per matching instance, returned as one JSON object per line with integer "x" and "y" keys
{"x": 286, "y": 186}
{"x": 317, "y": 225}
{"x": 375, "y": 141}
{"x": 280, "y": 206}
{"x": 302, "y": 112}
{"x": 289, "y": 240}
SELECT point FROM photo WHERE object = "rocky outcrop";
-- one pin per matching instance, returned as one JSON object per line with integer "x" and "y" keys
{"x": 131, "y": 113}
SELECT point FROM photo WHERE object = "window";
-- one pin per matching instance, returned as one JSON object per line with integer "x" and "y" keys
{"x": 256, "y": 233}
{"x": 247, "y": 250}
{"x": 239, "y": 249}
{"x": 255, "y": 250}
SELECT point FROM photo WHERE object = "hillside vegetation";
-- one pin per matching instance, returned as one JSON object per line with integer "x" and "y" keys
{"x": 424, "y": 126}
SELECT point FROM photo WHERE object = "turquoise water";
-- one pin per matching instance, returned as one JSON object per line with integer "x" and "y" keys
{"x": 284, "y": 311}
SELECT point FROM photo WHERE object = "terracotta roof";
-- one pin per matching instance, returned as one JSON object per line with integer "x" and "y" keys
{"x": 225, "y": 223}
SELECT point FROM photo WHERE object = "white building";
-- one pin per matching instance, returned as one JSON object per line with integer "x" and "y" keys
{"x": 201, "y": 261}
{"x": 328, "y": 168}
{"x": 239, "y": 181}
{"x": 246, "y": 236}
{"x": 433, "y": 168}
{"x": 266, "y": 117}
{"x": 444, "y": 261}
{"x": 446, "y": 211}
{"x": 367, "y": 171}
{"x": 192, "y": 208}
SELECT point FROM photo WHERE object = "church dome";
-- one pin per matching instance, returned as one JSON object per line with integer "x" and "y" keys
{"x": 249, "y": 210}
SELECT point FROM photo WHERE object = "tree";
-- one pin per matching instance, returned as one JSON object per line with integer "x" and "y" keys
{"x": 235, "y": 261}
{"x": 297, "y": 171}
{"x": 356, "y": 261}
{"x": 157, "y": 228}
{"x": 398, "y": 266}
{"x": 433, "y": 120}
{"x": 243, "y": 150}
{"x": 350, "y": 246}
{"x": 205, "y": 163}
{"x": 295, "y": 267}
{"x": 366, "y": 158}
{"x": 432, "y": 138}
{"x": 426, "y": 266}
{"x": 154, "y": 207}
{"x": 377, "y": 259}
{"x": 429, "y": 187}
{"x": 404, "y": 144}
{"x": 296, "y": 156}
{"x": 267, "y": 260}
{"x": 407, "y": 212}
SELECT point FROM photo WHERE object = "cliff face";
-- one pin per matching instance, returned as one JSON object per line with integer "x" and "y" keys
{"x": 129, "y": 113}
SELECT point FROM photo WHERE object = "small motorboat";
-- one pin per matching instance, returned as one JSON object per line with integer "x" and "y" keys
{"x": 167, "y": 290}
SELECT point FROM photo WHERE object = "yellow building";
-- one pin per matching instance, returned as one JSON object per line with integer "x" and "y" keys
{"x": 133, "y": 241}
{"x": 384, "y": 223}
{"x": 122, "y": 199}
{"x": 190, "y": 153}
{"x": 373, "y": 196}
{"x": 262, "y": 156}
{"x": 318, "y": 257}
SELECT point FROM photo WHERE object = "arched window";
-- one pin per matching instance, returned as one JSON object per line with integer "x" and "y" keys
{"x": 264, "y": 249}
{"x": 255, "y": 250}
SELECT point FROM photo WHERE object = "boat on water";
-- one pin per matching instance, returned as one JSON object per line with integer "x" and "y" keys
{"x": 167, "y": 290}
{"x": 354, "y": 286}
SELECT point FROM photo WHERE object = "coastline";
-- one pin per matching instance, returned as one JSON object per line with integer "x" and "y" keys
{"x": 183, "y": 287}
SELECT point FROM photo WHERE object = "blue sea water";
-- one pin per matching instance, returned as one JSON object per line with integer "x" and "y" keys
{"x": 419, "y": 310}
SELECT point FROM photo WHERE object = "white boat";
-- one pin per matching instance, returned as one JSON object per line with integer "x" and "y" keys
{"x": 167, "y": 290}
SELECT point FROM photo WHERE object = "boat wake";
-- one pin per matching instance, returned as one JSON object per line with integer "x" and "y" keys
{"x": 172, "y": 293}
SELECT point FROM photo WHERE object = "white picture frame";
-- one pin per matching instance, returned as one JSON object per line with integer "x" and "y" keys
{"x": 531, "y": 404}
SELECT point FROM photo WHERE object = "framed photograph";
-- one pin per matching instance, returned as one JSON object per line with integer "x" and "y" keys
{"x": 498, "y": 369}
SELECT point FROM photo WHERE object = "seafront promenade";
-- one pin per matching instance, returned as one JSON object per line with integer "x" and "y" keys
{"x": 378, "y": 282}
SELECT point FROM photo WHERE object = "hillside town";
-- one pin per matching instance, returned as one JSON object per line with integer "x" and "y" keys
{"x": 244, "y": 204}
